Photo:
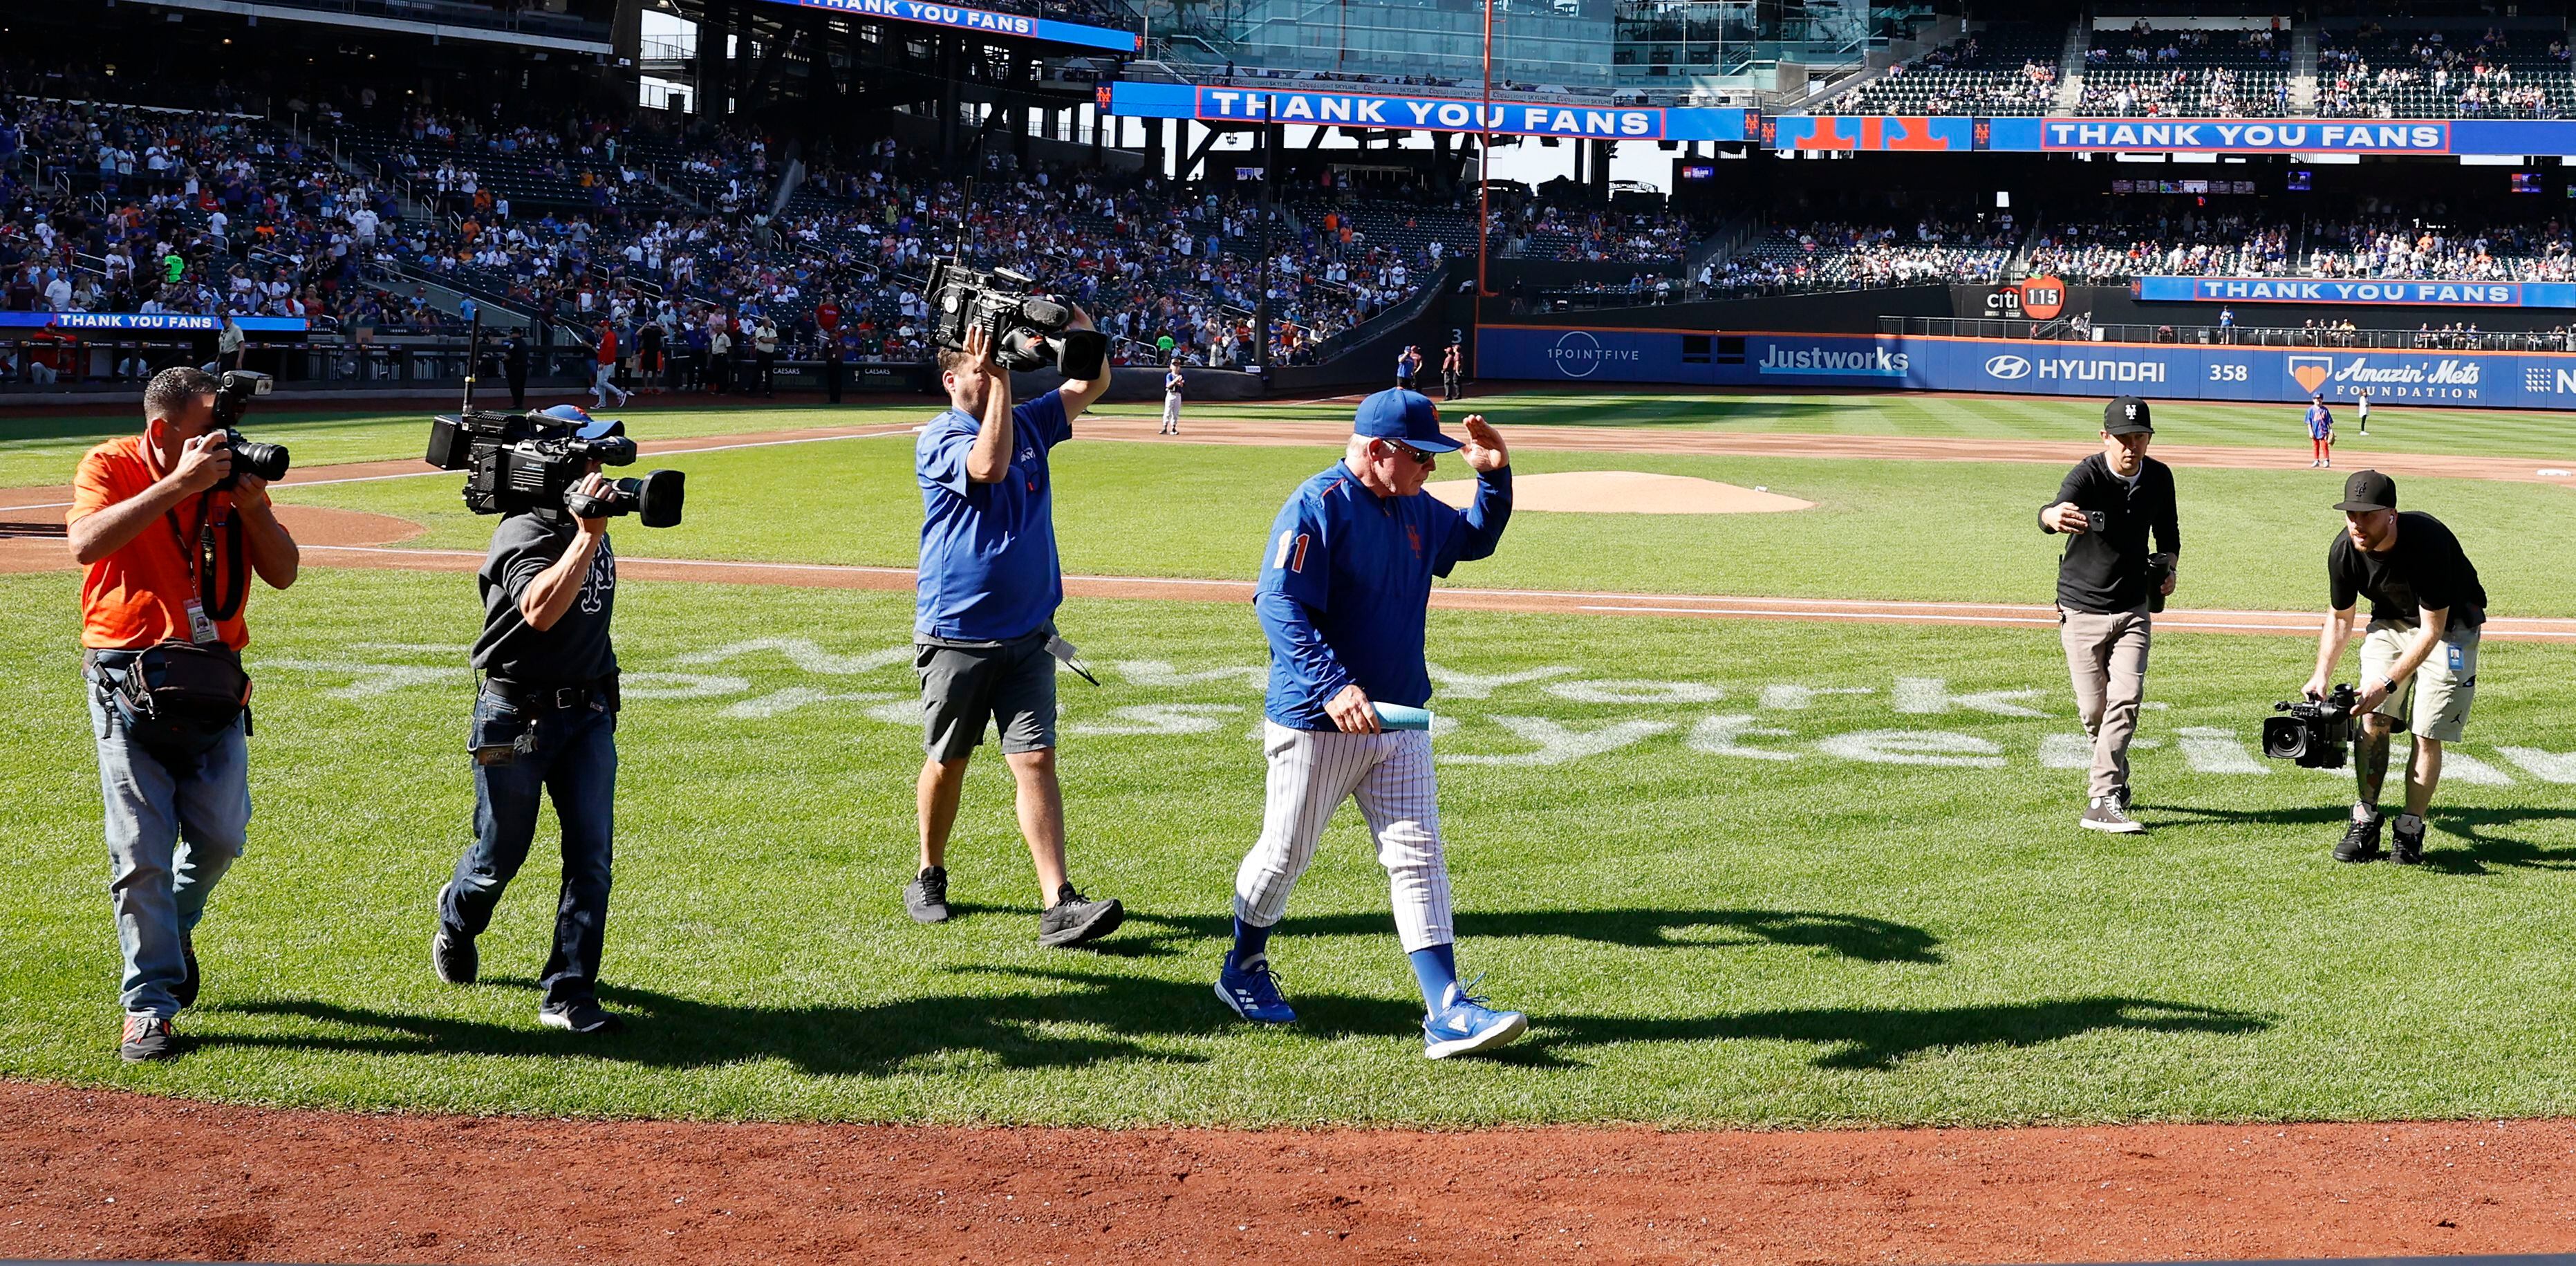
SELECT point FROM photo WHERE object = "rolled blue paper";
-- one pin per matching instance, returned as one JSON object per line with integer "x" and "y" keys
{"x": 1396, "y": 716}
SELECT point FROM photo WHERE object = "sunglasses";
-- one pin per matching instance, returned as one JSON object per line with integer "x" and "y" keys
{"x": 1419, "y": 457}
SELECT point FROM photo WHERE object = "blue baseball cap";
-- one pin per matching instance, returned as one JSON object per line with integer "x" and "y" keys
{"x": 1407, "y": 417}
{"x": 588, "y": 427}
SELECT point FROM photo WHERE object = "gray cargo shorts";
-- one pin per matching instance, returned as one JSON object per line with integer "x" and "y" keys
{"x": 1011, "y": 685}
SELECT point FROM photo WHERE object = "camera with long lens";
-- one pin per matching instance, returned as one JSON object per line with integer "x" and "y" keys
{"x": 2312, "y": 733}
{"x": 522, "y": 462}
{"x": 234, "y": 391}
{"x": 1025, "y": 331}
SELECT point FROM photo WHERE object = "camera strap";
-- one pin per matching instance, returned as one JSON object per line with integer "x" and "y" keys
{"x": 197, "y": 552}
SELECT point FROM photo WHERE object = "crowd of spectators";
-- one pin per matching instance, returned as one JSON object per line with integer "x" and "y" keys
{"x": 2382, "y": 242}
{"x": 1830, "y": 255}
{"x": 2429, "y": 74}
{"x": 2115, "y": 244}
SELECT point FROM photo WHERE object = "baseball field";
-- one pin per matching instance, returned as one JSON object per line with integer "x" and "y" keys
{"x": 1798, "y": 859}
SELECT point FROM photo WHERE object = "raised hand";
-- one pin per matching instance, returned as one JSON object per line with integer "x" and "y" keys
{"x": 1484, "y": 450}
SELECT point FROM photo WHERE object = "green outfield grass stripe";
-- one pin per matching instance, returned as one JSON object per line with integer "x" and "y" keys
{"x": 1781, "y": 874}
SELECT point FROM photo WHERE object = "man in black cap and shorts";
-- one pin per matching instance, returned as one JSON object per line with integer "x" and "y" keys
{"x": 2419, "y": 655}
{"x": 2108, "y": 586}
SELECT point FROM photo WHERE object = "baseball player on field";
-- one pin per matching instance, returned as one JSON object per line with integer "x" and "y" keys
{"x": 1173, "y": 383}
{"x": 1342, "y": 598}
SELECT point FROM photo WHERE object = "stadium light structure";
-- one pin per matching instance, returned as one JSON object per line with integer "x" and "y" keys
{"x": 1484, "y": 166}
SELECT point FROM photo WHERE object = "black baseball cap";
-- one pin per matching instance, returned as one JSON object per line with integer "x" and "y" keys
{"x": 2368, "y": 490}
{"x": 2127, "y": 416}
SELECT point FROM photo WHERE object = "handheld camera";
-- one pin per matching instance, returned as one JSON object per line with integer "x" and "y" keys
{"x": 1027, "y": 332}
{"x": 520, "y": 462}
{"x": 2313, "y": 733}
{"x": 234, "y": 390}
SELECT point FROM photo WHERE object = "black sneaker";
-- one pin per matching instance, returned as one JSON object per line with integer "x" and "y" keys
{"x": 185, "y": 992}
{"x": 2361, "y": 843}
{"x": 926, "y": 897}
{"x": 1074, "y": 919}
{"x": 147, "y": 1038}
{"x": 580, "y": 1017}
{"x": 451, "y": 953}
{"x": 2406, "y": 848}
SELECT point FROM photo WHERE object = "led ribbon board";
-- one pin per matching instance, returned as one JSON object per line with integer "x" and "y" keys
{"x": 982, "y": 21}
{"x": 1228, "y": 104}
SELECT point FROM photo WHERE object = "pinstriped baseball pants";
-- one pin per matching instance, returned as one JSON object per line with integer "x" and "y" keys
{"x": 1311, "y": 773}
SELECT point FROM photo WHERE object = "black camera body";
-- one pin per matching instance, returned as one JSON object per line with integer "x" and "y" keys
{"x": 529, "y": 463}
{"x": 2312, "y": 733}
{"x": 1026, "y": 331}
{"x": 234, "y": 390}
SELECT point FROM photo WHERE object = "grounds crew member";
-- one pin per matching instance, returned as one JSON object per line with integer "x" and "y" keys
{"x": 988, "y": 587}
{"x": 2108, "y": 582}
{"x": 514, "y": 367}
{"x": 764, "y": 353}
{"x": 544, "y": 724}
{"x": 162, "y": 593}
{"x": 1345, "y": 584}
{"x": 2419, "y": 655}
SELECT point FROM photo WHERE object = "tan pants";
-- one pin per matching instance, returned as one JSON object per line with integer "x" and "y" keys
{"x": 2107, "y": 656}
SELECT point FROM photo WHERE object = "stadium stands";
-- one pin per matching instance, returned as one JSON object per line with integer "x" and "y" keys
{"x": 2115, "y": 242}
{"x": 1832, "y": 255}
{"x": 2152, "y": 72}
{"x": 2469, "y": 73}
{"x": 2005, "y": 68}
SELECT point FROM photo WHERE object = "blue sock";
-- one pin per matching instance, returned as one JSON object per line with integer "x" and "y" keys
{"x": 1249, "y": 942}
{"x": 1437, "y": 969}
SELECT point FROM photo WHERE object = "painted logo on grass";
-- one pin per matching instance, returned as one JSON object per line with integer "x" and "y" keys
{"x": 1481, "y": 718}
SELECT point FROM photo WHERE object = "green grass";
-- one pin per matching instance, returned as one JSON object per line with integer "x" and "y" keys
{"x": 1699, "y": 938}
{"x": 2476, "y": 432}
{"x": 40, "y": 451}
{"x": 1950, "y": 531}
{"x": 43, "y": 449}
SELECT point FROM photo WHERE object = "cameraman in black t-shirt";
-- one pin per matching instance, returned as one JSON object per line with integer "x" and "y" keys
{"x": 545, "y": 722}
{"x": 2419, "y": 656}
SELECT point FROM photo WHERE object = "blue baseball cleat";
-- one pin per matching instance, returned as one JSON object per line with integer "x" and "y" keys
{"x": 1253, "y": 992}
{"x": 1464, "y": 1025}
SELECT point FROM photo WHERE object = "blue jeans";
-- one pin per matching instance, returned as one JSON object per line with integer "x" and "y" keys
{"x": 575, "y": 762}
{"x": 170, "y": 836}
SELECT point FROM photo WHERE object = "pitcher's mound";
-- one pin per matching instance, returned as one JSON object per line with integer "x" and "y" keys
{"x": 1624, "y": 492}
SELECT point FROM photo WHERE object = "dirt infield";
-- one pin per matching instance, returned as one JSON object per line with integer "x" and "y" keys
{"x": 109, "y": 1175}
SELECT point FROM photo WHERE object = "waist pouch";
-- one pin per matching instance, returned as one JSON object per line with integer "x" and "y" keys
{"x": 178, "y": 698}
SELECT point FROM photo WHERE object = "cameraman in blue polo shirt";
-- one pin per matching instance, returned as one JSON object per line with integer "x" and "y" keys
{"x": 988, "y": 587}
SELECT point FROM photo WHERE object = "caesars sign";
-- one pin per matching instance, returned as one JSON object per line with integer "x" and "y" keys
{"x": 2039, "y": 298}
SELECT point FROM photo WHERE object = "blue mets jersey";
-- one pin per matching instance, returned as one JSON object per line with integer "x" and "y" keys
{"x": 1346, "y": 584}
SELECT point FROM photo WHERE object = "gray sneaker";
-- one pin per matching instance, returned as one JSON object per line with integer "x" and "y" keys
{"x": 926, "y": 897}
{"x": 2105, "y": 814}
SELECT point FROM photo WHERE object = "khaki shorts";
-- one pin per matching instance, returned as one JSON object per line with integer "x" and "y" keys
{"x": 2435, "y": 701}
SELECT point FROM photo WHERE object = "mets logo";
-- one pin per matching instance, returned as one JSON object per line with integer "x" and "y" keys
{"x": 2311, "y": 372}
{"x": 2007, "y": 367}
{"x": 1414, "y": 534}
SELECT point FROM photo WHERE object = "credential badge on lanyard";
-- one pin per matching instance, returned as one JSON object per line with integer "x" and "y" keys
{"x": 201, "y": 629}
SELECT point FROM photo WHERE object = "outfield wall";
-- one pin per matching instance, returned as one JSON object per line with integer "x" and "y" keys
{"x": 2514, "y": 380}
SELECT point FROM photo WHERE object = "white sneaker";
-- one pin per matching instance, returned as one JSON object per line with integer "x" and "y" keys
{"x": 2105, "y": 814}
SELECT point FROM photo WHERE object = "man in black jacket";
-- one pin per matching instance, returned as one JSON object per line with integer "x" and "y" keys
{"x": 2108, "y": 582}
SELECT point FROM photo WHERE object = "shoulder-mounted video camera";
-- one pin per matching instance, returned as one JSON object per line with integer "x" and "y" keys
{"x": 234, "y": 390}
{"x": 528, "y": 462}
{"x": 1026, "y": 332}
{"x": 2313, "y": 733}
